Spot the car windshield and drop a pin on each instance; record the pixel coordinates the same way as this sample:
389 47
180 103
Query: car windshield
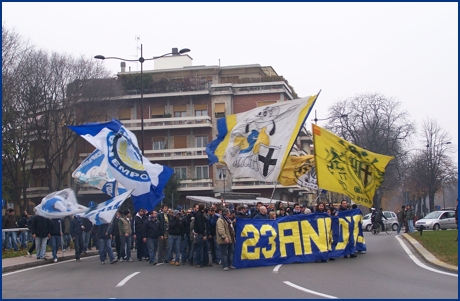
367 216
433 215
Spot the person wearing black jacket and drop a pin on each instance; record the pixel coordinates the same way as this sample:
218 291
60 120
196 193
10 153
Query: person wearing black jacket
87 226
185 240
56 234
151 231
41 232
137 234
24 233
104 233
200 236
176 232
76 231
116 233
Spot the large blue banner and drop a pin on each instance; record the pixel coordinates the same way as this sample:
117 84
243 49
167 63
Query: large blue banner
297 238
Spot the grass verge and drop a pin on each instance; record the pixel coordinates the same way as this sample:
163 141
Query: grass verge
441 244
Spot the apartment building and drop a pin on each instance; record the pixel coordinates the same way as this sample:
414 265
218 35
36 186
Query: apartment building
181 104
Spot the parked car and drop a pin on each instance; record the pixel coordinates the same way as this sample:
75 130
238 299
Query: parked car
390 215
444 219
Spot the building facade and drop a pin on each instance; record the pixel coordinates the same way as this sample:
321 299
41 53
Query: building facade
181 104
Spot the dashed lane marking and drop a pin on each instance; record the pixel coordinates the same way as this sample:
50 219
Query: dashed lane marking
308 291
275 270
122 282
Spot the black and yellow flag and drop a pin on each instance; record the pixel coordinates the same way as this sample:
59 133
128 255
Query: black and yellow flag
299 171
346 168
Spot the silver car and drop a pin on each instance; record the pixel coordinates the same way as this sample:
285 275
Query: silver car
444 219
390 215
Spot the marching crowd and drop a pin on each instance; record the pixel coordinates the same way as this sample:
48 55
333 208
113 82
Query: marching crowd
167 236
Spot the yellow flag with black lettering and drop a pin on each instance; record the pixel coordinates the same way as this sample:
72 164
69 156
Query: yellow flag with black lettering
346 168
299 170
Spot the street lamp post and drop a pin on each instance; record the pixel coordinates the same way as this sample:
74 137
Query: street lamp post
340 116
141 60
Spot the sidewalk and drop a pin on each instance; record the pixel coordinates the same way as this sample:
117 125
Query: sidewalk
427 255
21 262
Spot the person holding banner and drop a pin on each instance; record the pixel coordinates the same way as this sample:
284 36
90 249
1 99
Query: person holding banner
225 238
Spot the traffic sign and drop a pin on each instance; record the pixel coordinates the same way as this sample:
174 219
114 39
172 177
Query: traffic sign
91 204
3 202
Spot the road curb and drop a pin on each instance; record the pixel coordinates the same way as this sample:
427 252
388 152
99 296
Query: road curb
427 255
25 265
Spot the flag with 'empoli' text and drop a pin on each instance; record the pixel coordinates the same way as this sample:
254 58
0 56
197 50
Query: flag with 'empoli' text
346 168
126 162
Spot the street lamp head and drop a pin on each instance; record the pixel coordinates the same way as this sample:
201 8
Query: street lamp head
100 57
184 50
344 116
448 142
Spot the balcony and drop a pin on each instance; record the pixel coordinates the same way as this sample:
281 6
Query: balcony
196 185
176 154
169 123
37 192
251 183
38 164
88 189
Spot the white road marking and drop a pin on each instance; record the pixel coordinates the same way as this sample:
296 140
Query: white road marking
122 282
275 270
418 262
46 265
308 291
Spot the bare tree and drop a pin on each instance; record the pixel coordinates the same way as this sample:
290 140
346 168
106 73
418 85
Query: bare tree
378 124
439 167
16 146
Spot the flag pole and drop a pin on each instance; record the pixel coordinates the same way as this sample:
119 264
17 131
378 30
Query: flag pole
273 192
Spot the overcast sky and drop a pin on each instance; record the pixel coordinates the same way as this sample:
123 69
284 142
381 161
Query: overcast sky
408 51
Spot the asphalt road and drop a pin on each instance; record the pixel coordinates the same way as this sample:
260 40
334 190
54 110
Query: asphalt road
386 271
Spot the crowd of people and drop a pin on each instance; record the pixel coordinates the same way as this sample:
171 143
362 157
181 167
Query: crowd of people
167 236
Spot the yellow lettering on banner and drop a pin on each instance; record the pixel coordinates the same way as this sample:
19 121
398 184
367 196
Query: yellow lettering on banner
345 231
271 241
294 238
309 235
356 219
250 242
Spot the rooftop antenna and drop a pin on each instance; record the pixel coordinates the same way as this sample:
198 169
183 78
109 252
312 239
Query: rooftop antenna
137 38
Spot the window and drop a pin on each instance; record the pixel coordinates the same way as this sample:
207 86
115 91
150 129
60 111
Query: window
201 109
181 172
159 143
180 141
124 114
180 111
219 110
201 141
158 112
202 172
265 103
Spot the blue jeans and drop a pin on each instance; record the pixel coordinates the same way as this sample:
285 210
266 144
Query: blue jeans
410 222
86 236
40 244
217 248
55 243
174 245
105 247
152 245
67 239
14 239
191 251
399 227
24 235
184 248
125 246
199 243
226 255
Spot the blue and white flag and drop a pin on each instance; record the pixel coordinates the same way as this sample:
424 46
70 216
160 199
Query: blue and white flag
59 204
95 171
104 213
126 163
